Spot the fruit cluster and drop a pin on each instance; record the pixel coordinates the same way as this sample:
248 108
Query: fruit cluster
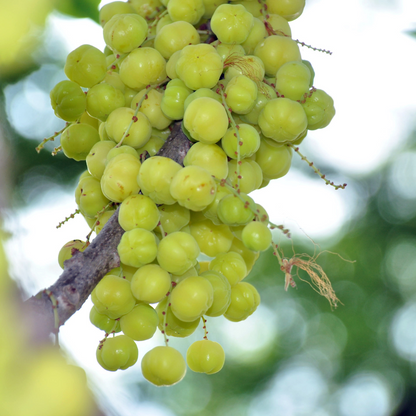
232 77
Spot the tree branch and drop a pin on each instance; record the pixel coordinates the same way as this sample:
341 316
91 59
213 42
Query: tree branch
176 146
85 269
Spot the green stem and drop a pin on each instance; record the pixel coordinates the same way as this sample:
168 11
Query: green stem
68 218
271 31
98 216
113 64
56 150
237 134
224 182
162 231
316 170
165 318
263 9
157 18
51 138
113 331
205 328
276 253
138 105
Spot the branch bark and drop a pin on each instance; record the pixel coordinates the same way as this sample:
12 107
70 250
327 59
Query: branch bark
85 269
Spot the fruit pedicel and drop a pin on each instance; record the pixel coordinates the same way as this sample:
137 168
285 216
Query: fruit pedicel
233 77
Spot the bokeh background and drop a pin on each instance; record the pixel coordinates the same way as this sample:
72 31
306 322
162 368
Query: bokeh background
295 356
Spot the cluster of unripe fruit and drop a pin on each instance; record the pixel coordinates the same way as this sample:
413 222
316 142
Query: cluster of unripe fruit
233 77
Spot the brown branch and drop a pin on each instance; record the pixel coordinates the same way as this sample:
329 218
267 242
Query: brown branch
85 269
176 146
81 274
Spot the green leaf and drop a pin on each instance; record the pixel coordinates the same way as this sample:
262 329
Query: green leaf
79 8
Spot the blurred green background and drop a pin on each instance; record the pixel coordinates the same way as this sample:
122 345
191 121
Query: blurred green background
298 357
